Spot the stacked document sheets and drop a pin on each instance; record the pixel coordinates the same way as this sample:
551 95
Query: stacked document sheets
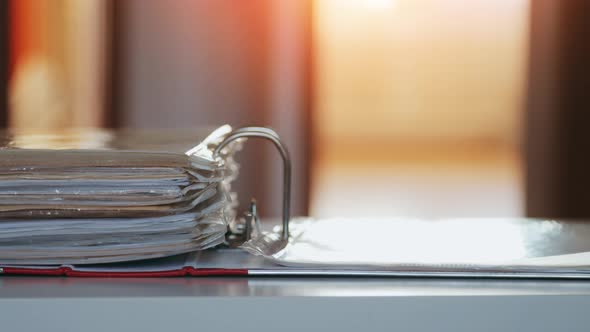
79 206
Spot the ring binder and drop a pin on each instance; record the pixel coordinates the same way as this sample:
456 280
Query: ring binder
419 248
271 135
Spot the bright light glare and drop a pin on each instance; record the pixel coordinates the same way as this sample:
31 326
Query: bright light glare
380 4
413 241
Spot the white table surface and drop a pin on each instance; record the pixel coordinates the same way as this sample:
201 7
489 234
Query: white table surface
294 304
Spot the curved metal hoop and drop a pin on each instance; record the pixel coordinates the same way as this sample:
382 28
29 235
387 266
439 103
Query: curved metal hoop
271 135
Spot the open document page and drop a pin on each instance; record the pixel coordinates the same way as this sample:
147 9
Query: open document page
460 245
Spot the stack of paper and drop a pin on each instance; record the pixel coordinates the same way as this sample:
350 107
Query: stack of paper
93 206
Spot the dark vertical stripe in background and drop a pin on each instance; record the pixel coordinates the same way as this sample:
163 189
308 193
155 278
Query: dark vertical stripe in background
4 23
558 117
112 79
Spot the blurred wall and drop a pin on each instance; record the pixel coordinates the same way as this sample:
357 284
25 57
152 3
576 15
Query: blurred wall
186 63
290 96
192 63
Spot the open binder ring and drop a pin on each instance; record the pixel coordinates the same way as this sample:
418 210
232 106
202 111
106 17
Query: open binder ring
271 135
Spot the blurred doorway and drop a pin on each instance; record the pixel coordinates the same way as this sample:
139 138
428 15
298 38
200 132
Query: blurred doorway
418 107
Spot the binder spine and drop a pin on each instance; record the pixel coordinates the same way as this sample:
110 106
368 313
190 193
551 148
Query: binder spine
186 271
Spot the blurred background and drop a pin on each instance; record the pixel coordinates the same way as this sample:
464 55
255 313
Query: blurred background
455 108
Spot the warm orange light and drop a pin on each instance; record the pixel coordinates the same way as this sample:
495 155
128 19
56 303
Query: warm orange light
417 107
28 19
57 63
397 69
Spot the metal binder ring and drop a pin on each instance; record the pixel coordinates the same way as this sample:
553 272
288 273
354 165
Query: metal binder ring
271 135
